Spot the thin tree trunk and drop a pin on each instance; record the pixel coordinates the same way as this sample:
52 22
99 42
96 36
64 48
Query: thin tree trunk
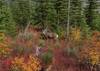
68 21
27 27
28 24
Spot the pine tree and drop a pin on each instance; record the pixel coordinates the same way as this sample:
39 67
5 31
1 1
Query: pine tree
33 5
77 16
61 7
7 24
21 12
45 15
40 13
76 13
92 14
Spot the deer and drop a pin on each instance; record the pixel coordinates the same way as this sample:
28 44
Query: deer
47 34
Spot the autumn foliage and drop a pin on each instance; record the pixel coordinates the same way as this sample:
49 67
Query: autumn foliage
53 55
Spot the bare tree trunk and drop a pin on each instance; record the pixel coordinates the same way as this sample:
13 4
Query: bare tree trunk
68 21
27 27
28 24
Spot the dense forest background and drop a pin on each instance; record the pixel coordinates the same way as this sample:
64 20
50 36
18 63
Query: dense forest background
58 15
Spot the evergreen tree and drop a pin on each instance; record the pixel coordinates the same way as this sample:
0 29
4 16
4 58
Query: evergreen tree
45 14
33 5
92 14
21 12
61 7
7 24
40 13
76 18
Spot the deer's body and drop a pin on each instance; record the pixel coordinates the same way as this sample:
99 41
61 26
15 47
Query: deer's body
49 34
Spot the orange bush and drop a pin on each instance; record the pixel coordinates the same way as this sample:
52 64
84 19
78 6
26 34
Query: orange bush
91 50
75 34
5 47
26 64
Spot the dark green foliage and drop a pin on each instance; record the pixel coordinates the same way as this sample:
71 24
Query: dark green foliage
92 14
21 12
76 16
47 57
97 22
41 13
51 14
33 5
45 14
61 11
7 24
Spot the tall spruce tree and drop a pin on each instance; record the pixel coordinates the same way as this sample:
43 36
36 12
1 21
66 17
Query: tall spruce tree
40 13
92 14
7 24
61 7
77 16
21 12
33 5
76 13
45 14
